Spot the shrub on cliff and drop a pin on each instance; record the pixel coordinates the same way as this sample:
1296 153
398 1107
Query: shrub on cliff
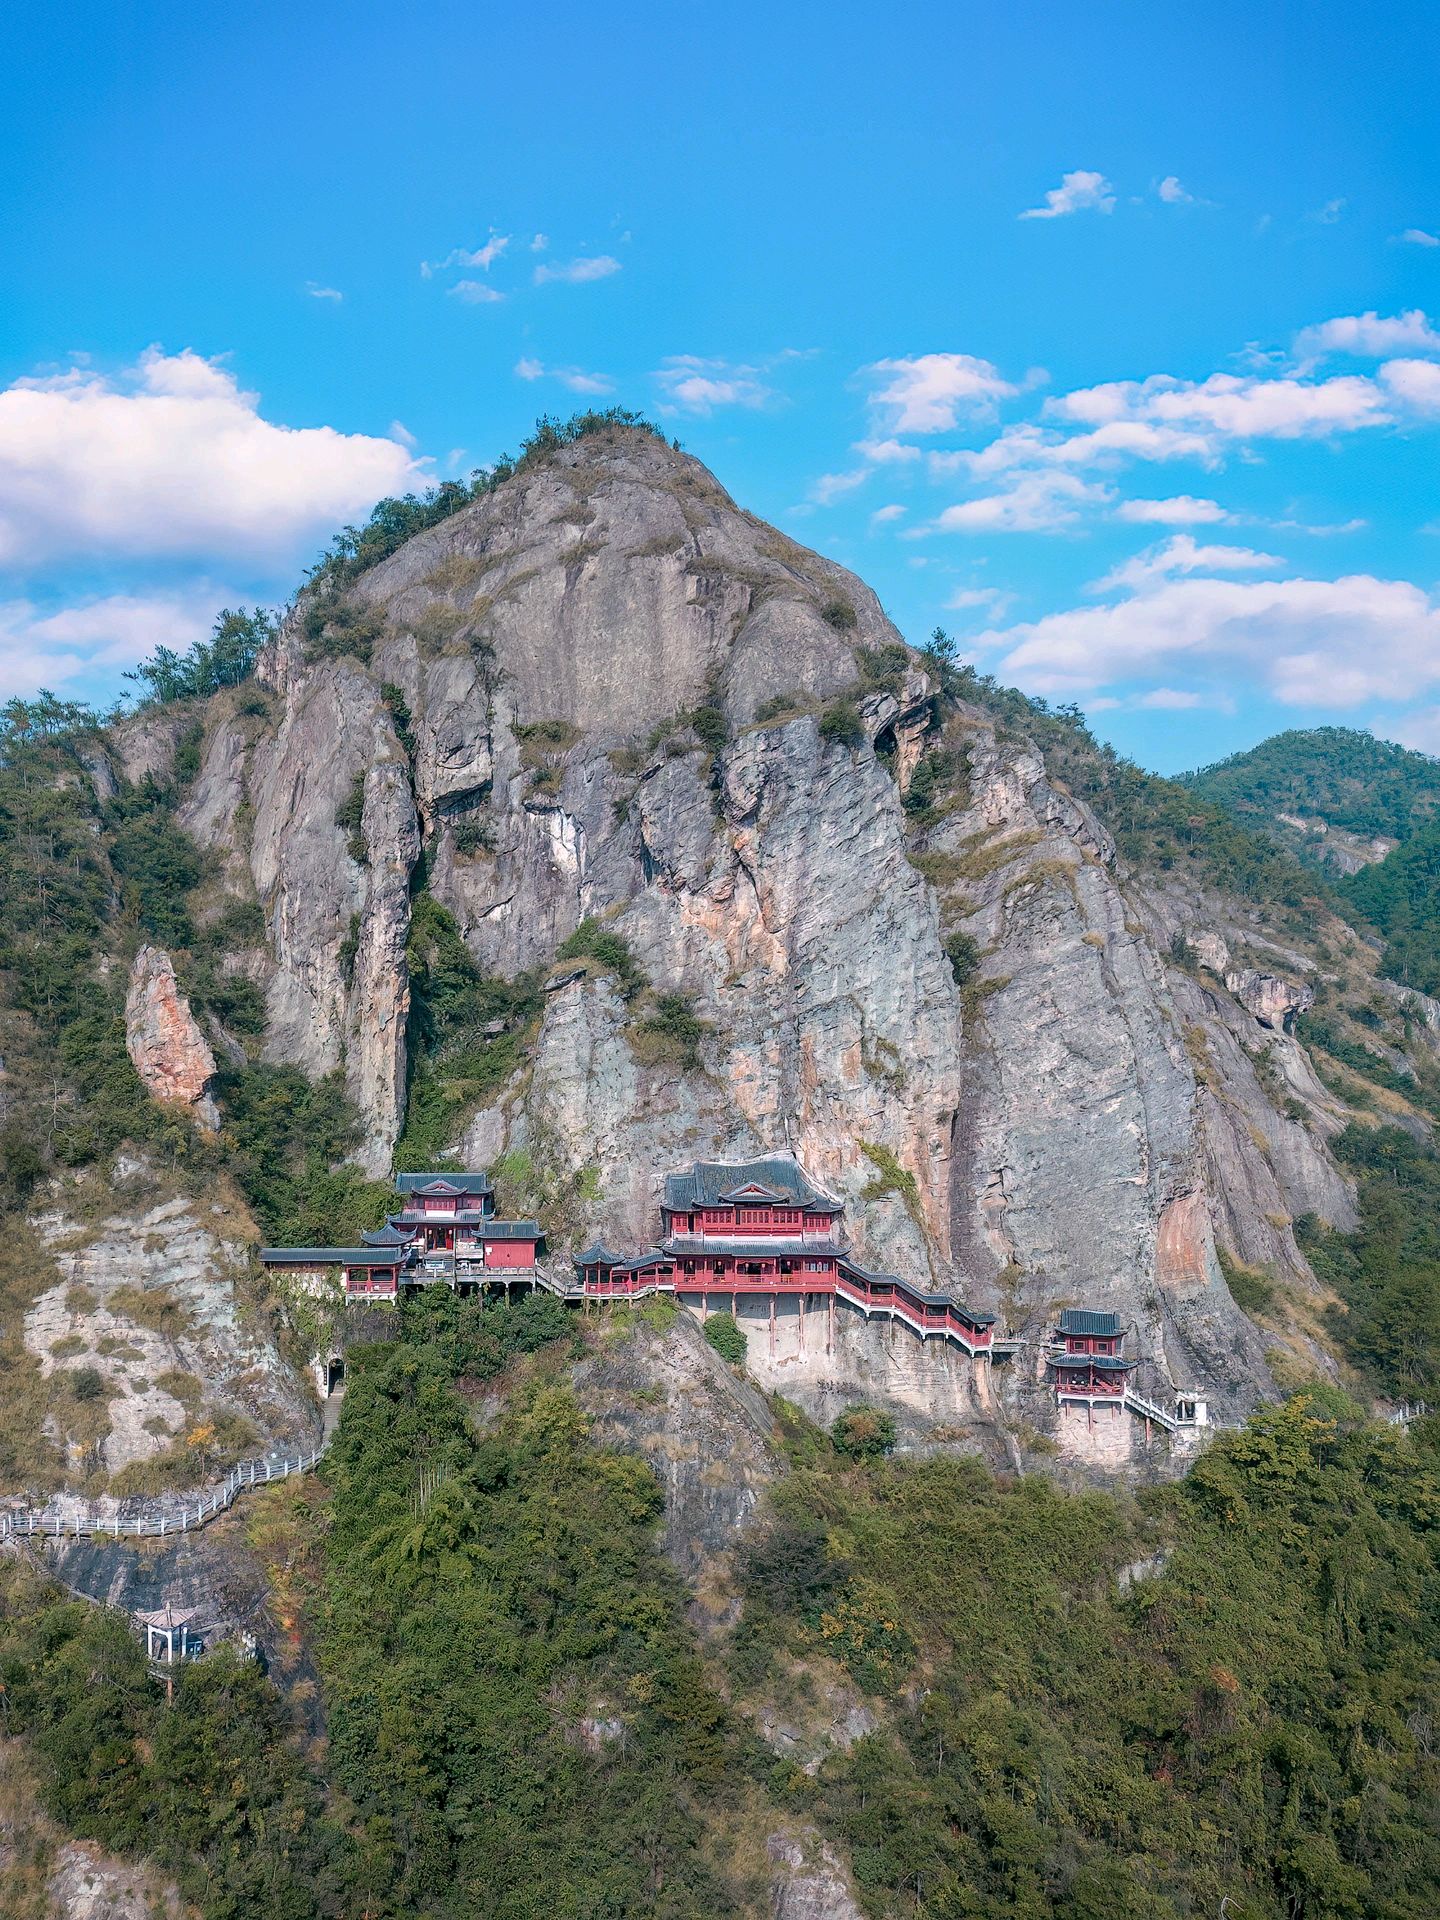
841 725
864 1433
727 1337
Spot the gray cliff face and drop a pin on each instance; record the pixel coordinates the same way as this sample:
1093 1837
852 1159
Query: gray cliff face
336 902
1083 1124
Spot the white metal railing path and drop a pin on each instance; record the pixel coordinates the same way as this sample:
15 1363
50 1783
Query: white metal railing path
1409 1410
27 1522
1148 1410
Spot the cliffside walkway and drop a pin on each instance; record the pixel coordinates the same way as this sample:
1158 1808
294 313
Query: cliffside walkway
159 1518
1147 1410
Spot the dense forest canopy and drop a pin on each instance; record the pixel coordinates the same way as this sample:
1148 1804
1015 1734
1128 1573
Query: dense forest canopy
522 1721
1371 788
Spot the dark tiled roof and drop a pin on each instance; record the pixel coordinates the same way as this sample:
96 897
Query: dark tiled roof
1101 1362
442 1183
711 1182
597 1254
924 1296
387 1236
1082 1320
643 1261
762 1245
511 1230
328 1257
462 1216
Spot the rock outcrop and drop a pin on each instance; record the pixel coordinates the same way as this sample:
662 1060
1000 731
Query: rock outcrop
170 1053
148 1297
669 1397
1273 1001
808 1880
44 1873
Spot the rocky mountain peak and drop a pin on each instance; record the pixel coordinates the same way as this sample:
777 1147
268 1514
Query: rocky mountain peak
865 922
608 588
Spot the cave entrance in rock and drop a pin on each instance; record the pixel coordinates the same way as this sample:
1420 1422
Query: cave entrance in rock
334 1375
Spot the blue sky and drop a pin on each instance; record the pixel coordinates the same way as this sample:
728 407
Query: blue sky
1097 336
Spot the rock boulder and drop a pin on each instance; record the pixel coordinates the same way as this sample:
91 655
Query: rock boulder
170 1053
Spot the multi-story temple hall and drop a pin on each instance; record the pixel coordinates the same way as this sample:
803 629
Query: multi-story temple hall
733 1230
444 1233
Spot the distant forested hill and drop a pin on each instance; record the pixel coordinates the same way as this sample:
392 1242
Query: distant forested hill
1400 896
1341 789
1340 775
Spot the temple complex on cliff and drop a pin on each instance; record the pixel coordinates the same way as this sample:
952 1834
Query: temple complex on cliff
744 1236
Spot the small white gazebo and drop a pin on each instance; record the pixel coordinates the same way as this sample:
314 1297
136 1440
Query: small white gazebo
170 1635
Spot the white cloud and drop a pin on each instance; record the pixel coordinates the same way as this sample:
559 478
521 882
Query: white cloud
487 255
540 244
1076 193
575 378
482 257
1324 643
1420 730
1106 445
1099 430
100 636
929 393
476 293
831 486
883 516
1415 382
317 292
1369 336
1182 554
1320 529
1033 503
1418 237
1327 215
171 457
597 266
964 598
399 431
1231 406
1181 510
691 384
1165 698
1172 193
887 452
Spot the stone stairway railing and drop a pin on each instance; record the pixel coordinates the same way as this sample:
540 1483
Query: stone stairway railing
157 1519
1148 1410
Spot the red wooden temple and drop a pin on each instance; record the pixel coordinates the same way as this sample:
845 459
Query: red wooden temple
444 1233
1091 1370
733 1230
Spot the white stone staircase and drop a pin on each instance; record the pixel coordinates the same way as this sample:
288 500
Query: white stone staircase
1147 1410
